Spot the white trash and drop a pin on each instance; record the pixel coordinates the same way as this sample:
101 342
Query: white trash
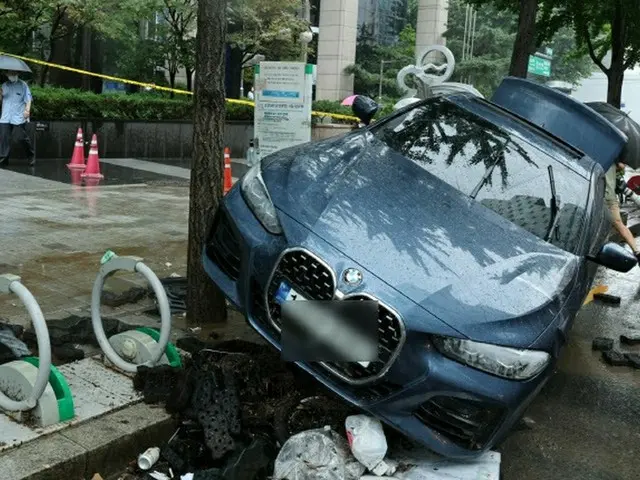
319 454
367 441
149 458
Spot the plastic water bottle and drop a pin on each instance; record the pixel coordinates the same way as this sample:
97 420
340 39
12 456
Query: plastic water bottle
251 155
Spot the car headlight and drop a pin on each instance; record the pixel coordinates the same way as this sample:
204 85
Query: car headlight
511 363
255 193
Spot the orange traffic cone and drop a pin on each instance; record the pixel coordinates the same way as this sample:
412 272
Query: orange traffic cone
77 159
93 161
228 179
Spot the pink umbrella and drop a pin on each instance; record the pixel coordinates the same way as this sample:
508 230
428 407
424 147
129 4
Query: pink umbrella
349 100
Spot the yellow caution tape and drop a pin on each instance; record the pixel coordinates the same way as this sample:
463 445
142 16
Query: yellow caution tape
337 116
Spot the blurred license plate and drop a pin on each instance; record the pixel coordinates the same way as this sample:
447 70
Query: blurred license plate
286 293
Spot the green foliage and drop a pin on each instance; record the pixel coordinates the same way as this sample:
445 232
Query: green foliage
496 26
270 28
68 104
369 58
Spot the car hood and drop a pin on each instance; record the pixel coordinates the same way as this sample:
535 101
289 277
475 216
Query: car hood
457 259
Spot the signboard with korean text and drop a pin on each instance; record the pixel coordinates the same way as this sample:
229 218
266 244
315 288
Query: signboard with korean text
539 66
282 116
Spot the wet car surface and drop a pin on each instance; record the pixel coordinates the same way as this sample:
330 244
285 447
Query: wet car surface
449 214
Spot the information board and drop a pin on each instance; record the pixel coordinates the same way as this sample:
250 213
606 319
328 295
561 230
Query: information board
282 117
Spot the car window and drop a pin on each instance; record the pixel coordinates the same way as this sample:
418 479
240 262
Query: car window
498 169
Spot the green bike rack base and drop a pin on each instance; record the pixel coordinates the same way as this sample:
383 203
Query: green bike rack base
172 353
60 388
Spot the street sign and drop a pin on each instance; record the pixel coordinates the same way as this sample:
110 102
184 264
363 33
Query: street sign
539 66
283 105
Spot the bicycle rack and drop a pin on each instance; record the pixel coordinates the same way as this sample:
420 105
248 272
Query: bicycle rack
32 384
143 346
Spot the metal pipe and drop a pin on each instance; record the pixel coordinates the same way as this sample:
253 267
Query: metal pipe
12 284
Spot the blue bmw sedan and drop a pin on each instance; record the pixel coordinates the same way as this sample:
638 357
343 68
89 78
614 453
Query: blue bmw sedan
476 232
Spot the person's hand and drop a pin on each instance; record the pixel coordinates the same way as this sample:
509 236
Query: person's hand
27 114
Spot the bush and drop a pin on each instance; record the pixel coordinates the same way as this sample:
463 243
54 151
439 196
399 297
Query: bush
68 104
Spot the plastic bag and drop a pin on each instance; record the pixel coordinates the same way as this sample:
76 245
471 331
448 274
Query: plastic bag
316 455
366 439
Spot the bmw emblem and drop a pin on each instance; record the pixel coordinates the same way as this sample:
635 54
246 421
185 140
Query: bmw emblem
352 277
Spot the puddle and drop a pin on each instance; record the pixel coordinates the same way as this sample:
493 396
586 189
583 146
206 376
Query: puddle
57 171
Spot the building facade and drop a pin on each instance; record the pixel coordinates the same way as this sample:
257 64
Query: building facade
383 19
338 25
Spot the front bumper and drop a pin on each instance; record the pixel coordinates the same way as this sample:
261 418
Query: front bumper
455 410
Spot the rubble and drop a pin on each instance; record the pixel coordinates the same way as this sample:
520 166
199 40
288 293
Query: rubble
615 358
67 353
115 300
229 403
11 346
602 344
630 339
634 359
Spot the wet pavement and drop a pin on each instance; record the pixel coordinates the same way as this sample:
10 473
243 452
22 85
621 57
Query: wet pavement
586 420
126 171
57 171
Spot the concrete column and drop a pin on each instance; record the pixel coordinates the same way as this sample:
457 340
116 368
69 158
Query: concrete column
336 48
432 23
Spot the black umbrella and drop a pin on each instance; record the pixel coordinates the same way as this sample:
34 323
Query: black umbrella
8 63
624 123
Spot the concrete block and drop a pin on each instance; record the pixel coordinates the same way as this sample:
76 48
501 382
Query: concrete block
113 441
52 457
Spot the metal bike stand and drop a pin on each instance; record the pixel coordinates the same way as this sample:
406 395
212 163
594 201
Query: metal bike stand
129 350
26 381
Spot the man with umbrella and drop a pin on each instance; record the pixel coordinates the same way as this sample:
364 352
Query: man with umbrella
16 109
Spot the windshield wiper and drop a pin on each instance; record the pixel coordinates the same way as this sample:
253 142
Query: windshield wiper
555 207
486 176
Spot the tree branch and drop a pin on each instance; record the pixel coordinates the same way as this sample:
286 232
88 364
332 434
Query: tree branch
592 52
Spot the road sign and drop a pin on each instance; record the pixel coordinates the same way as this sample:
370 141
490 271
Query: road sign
539 66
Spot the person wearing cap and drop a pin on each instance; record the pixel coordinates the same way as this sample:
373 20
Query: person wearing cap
611 199
16 111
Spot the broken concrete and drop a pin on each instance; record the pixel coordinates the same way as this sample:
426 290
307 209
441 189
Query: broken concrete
634 359
630 339
615 358
115 300
602 344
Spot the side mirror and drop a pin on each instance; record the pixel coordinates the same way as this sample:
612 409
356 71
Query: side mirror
364 108
615 257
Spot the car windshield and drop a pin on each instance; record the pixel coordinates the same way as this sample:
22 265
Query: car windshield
494 166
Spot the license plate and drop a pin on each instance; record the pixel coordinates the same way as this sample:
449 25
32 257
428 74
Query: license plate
286 293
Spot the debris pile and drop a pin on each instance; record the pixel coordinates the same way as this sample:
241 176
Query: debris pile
234 403
11 346
615 357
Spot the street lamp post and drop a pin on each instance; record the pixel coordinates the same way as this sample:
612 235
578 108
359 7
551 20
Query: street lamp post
306 37
382 63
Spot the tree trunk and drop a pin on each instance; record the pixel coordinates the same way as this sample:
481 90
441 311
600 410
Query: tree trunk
172 81
205 302
189 73
615 74
525 38
86 56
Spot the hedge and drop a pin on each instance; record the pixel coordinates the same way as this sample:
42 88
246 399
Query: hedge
68 104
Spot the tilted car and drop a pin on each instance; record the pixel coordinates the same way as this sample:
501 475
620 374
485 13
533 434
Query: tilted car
477 231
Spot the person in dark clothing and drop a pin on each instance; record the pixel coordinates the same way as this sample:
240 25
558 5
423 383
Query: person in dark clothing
16 111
